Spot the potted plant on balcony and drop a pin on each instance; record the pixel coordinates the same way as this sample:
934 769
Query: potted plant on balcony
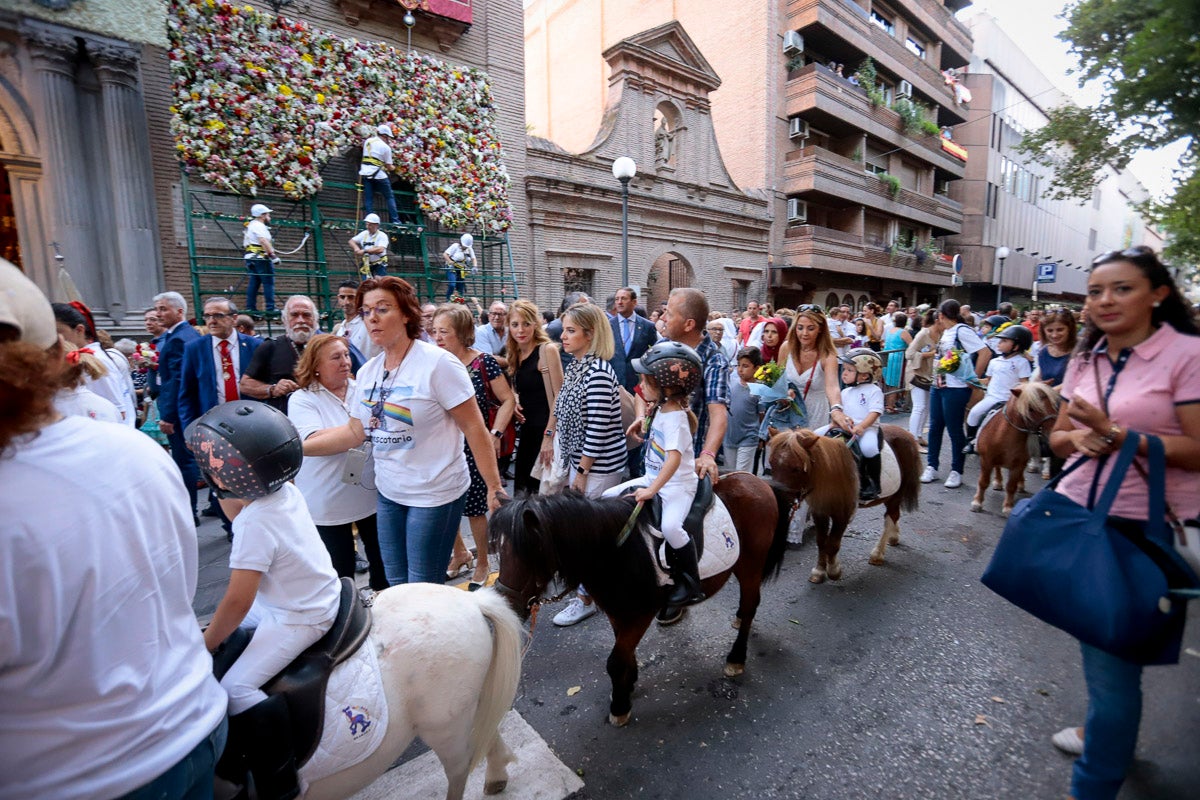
892 183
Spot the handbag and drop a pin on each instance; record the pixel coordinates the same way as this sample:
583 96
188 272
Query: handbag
1099 578
508 437
554 477
921 381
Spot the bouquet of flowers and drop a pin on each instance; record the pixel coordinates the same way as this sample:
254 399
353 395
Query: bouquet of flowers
950 363
783 410
145 357
769 373
458 298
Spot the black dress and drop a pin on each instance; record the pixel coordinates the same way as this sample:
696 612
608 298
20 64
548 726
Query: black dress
476 505
531 388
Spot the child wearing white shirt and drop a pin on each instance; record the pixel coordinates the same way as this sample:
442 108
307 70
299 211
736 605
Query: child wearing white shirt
1007 370
862 401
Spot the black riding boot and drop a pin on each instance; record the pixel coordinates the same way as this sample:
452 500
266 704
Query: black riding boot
264 731
868 471
972 432
685 573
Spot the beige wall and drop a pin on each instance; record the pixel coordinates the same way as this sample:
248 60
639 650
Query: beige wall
565 103
143 21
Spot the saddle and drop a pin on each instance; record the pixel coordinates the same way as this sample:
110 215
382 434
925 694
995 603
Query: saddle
993 411
846 436
302 683
693 523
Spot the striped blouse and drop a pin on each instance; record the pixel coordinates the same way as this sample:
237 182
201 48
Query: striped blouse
599 415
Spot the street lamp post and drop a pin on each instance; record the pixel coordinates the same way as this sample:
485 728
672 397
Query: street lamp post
623 169
1001 253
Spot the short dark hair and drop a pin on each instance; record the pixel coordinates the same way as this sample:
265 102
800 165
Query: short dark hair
632 292
751 354
347 285
404 294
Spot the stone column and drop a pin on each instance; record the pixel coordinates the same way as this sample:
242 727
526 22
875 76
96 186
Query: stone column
127 144
54 51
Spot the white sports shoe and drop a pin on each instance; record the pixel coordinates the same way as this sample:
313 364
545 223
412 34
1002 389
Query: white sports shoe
575 612
1069 741
929 475
953 481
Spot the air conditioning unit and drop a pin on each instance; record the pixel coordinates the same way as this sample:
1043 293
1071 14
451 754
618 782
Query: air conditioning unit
797 128
905 89
797 210
793 43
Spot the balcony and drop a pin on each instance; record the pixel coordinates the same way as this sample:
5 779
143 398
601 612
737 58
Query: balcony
942 23
841 182
848 23
836 106
811 246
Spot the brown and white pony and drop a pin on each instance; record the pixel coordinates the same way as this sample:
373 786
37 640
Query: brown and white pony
822 472
1002 441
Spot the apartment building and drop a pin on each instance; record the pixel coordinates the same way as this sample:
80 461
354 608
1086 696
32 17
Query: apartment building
857 177
1004 195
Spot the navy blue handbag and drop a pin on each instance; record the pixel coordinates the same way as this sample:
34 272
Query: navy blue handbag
1104 580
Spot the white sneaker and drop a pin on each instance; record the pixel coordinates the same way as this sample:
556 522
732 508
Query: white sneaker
954 481
575 612
929 475
1069 741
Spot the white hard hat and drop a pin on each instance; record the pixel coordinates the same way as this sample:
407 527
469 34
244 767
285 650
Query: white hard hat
258 209
372 218
467 240
384 130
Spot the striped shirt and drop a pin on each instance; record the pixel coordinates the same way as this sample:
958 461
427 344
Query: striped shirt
588 411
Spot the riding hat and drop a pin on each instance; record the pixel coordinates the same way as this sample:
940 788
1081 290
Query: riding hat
253 448
385 130
258 209
371 218
995 321
1021 335
673 365
864 360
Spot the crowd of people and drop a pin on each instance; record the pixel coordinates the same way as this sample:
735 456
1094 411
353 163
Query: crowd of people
409 417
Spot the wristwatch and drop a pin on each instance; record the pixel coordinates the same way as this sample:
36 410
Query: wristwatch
497 433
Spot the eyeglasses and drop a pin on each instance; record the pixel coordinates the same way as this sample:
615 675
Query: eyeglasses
1140 251
383 311
216 316
497 313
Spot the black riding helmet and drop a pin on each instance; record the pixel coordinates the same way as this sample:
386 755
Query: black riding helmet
672 365
1019 334
253 448
996 320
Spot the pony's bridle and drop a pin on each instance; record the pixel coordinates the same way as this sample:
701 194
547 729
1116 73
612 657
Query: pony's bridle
533 590
1037 429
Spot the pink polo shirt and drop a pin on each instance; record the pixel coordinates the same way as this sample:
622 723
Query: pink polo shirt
1160 374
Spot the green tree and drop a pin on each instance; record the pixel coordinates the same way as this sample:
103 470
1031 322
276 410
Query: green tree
1146 54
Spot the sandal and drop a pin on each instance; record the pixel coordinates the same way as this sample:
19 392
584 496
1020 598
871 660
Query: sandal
462 569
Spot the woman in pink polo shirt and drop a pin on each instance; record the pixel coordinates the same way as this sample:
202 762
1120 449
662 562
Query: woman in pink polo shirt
1137 367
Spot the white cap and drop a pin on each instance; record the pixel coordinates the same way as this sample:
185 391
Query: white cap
23 306
467 240
258 209
372 218
385 130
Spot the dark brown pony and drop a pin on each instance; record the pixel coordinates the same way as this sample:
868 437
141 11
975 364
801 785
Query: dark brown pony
1001 442
822 471
574 538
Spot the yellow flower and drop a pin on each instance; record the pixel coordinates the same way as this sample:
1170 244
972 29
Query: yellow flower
320 97
306 57
286 90
289 187
215 125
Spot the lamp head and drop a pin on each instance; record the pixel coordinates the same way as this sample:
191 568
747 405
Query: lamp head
409 19
623 169
1001 253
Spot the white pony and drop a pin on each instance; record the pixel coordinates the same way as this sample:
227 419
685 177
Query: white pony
448 677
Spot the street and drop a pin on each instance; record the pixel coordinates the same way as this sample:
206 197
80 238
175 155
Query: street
909 680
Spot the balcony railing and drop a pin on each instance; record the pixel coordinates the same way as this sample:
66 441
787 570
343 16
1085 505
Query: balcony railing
831 249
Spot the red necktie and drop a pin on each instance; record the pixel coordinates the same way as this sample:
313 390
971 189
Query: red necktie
231 386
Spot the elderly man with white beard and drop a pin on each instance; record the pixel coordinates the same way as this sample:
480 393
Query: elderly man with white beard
270 376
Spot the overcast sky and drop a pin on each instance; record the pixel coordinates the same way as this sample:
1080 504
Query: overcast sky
1034 25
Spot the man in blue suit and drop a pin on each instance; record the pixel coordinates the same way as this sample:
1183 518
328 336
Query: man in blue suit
212 367
633 335
172 313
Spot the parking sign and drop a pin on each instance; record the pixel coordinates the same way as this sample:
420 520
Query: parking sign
1047 272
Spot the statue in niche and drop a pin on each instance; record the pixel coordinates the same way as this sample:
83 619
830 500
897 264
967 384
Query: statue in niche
664 141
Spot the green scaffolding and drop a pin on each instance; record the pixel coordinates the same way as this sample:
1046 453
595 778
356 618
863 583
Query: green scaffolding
318 230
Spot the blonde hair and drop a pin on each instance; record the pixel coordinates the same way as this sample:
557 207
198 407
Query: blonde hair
306 367
825 346
528 312
595 322
92 366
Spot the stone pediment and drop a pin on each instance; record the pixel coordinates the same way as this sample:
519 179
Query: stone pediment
664 49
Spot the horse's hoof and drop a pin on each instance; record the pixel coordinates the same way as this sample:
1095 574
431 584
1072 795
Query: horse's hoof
834 574
817 576
734 670
736 624
619 721
977 507
894 539
495 787
997 486
875 560
1004 512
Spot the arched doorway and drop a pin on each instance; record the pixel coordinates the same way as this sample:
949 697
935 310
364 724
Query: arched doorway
669 271
10 242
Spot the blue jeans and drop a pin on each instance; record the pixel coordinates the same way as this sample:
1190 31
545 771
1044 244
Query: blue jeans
192 777
416 543
384 187
186 462
262 273
454 282
1111 729
947 409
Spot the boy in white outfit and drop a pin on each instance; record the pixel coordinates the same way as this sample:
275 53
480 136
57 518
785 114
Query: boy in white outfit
1010 368
863 402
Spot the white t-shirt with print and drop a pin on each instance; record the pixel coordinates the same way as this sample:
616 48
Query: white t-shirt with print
1004 374
330 500
860 400
670 431
275 535
365 240
418 448
967 340
83 402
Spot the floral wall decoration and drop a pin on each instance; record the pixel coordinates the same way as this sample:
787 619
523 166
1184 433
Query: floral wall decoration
265 101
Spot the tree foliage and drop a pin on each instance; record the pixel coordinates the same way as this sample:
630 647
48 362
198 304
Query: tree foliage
1146 55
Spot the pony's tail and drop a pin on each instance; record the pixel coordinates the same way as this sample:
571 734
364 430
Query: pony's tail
503 675
905 447
784 498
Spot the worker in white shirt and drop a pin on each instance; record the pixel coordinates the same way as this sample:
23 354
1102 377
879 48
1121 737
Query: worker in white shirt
260 258
370 248
460 259
372 174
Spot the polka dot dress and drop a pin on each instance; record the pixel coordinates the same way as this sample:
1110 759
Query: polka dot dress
476 505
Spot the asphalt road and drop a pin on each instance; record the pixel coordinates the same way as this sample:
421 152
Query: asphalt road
909 680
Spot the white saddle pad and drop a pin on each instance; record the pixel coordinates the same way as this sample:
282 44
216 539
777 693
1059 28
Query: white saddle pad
721 546
356 716
889 473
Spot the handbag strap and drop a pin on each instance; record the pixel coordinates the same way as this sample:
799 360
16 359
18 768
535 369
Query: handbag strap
1117 476
544 368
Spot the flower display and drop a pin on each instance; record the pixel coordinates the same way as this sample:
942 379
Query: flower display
261 100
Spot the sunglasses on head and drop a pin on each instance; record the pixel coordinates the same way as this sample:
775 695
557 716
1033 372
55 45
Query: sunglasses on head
1140 251
811 308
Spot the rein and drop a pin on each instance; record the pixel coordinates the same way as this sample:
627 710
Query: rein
1036 430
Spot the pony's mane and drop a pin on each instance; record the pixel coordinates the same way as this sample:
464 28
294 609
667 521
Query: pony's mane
824 466
1037 400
